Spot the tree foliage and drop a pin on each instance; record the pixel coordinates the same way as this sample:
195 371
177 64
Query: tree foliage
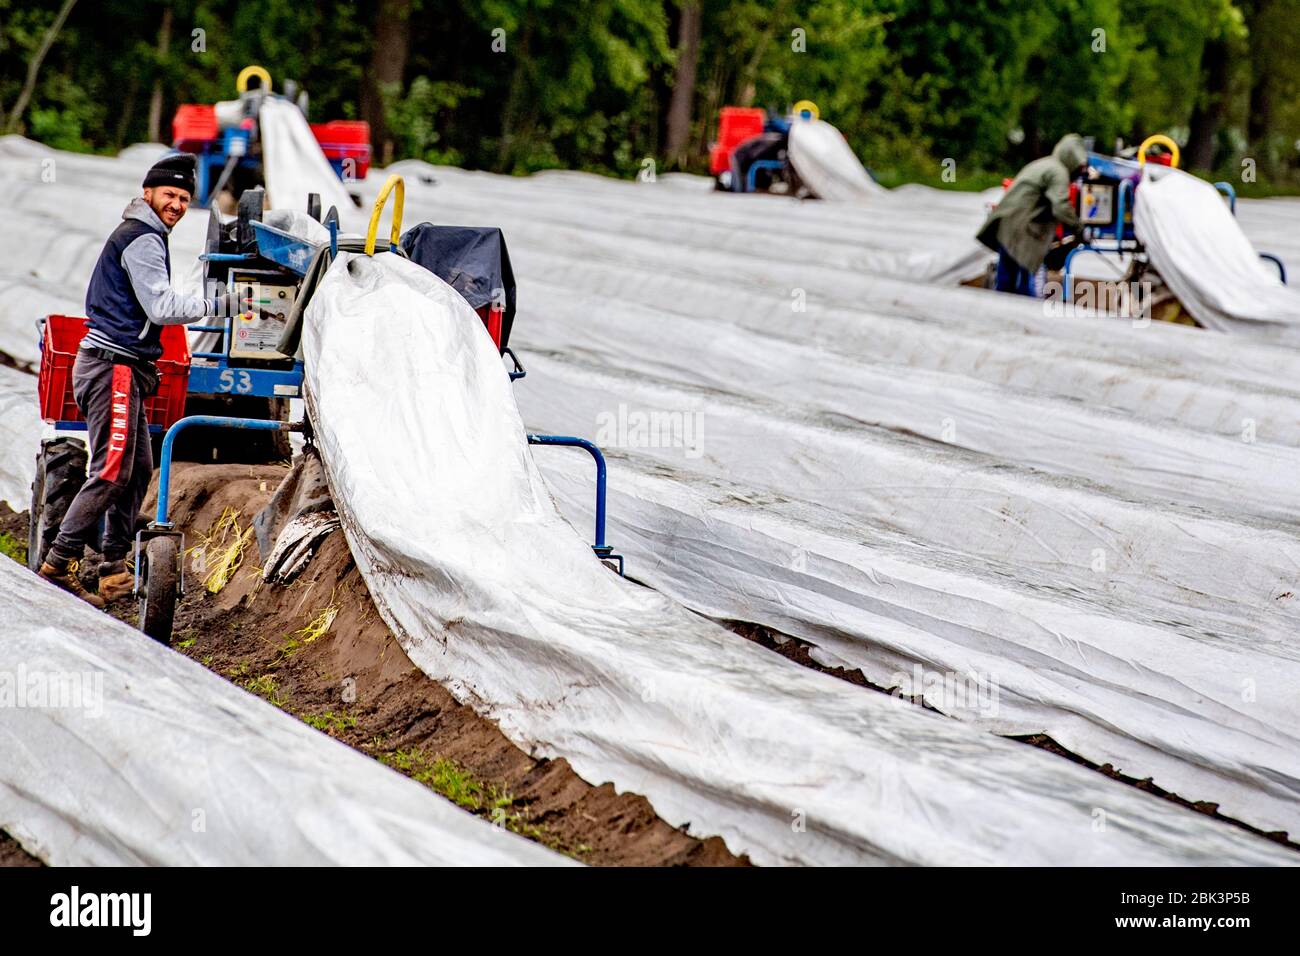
519 85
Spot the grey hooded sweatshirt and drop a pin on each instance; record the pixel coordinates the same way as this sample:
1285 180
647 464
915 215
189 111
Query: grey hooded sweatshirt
131 290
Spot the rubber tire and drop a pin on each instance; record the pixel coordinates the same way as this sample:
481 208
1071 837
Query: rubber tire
60 473
160 587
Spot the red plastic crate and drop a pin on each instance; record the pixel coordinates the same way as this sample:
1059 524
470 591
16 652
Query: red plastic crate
63 335
194 125
353 132
345 139
737 124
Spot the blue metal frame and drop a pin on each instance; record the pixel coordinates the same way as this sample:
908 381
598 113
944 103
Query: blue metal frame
603 551
519 370
160 525
161 522
1067 278
1118 234
223 379
1121 235
751 180
226 256
1277 262
65 426
218 421
1227 190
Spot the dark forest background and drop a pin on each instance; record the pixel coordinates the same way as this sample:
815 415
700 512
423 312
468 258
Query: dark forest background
603 85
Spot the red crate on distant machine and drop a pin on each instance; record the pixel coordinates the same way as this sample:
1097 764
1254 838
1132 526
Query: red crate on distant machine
63 335
193 126
345 139
737 124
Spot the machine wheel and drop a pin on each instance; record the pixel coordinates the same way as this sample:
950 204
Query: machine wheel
160 575
60 473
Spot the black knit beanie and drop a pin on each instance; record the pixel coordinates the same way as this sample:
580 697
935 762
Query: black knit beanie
174 170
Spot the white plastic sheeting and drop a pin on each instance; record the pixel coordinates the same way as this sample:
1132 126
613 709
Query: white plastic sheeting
493 594
922 234
1271 226
1190 613
293 162
1220 471
1170 375
827 164
993 553
116 751
20 436
1206 718
1202 253
601 263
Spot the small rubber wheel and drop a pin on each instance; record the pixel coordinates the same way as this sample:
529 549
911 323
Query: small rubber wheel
161 583
60 473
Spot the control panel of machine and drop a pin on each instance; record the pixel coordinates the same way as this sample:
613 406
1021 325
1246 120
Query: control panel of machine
256 334
1097 204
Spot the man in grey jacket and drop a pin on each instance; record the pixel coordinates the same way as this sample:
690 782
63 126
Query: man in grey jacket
129 300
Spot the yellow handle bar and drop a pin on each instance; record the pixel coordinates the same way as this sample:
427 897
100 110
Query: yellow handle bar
808 105
241 81
1165 141
393 182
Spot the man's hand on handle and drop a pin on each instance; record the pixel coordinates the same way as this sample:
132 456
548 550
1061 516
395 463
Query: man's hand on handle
239 303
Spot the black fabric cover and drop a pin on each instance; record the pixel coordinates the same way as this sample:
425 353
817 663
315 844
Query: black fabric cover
471 259
762 146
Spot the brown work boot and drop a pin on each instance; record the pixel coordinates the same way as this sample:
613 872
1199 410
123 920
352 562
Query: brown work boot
115 581
63 574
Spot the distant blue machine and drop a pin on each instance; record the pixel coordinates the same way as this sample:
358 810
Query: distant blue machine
1105 203
225 139
753 154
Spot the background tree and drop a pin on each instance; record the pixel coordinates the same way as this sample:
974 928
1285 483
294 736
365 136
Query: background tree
521 85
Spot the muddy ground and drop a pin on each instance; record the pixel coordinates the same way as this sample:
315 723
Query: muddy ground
11 854
354 682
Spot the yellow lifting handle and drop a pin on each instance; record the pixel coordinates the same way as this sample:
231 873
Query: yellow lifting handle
393 182
809 107
241 81
1166 142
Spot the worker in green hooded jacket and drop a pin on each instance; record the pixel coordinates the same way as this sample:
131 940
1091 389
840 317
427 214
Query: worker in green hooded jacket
1021 228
